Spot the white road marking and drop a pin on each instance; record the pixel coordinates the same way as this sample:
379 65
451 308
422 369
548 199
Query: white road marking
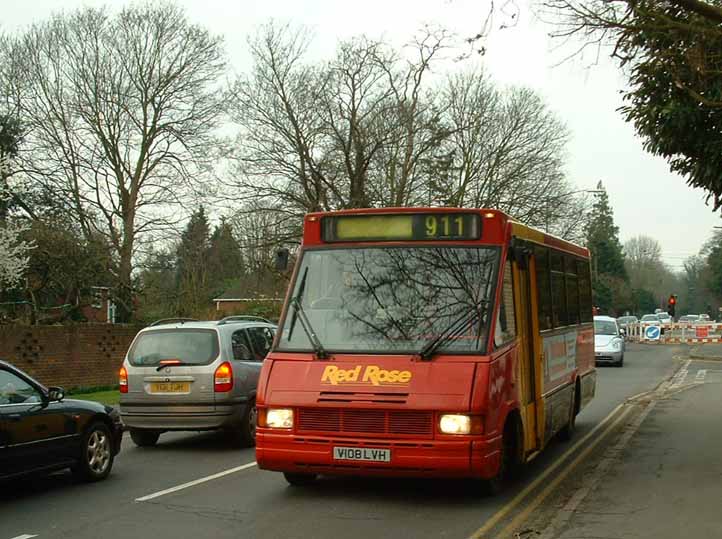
195 482
700 375
681 375
24 536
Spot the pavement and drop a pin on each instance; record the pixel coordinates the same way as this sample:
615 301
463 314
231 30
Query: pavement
707 351
667 482
197 485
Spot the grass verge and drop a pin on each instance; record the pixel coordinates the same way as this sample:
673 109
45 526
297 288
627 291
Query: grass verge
110 396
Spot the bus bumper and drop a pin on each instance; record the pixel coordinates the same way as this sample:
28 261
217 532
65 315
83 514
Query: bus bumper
477 458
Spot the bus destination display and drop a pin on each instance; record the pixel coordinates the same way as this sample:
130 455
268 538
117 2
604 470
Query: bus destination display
402 227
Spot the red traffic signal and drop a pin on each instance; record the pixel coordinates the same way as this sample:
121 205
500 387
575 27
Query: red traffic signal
672 300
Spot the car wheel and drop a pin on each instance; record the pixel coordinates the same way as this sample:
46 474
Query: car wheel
96 454
144 438
300 479
245 433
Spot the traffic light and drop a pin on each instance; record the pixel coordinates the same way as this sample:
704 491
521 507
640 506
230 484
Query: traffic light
671 304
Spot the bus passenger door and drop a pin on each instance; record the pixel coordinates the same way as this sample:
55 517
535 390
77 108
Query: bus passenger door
525 307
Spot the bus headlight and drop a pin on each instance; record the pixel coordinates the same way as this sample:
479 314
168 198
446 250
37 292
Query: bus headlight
455 424
279 418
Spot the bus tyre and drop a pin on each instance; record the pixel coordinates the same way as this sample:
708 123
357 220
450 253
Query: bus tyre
299 479
567 432
510 464
144 438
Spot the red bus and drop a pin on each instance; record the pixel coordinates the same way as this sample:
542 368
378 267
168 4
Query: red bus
425 342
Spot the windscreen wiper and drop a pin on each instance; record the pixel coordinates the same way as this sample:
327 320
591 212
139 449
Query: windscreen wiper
301 290
300 314
169 363
457 327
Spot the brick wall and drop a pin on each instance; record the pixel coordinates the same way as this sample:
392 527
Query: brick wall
68 356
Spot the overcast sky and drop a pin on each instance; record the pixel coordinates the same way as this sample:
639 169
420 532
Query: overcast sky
585 94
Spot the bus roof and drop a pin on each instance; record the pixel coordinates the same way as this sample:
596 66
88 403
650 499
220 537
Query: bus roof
505 224
543 238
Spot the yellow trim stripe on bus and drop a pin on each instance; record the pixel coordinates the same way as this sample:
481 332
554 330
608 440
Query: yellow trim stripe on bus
517 229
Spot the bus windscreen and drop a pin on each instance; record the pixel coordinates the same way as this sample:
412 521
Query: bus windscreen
391 299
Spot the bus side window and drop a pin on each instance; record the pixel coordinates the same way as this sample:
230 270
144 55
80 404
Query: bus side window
543 284
559 299
570 266
506 320
585 291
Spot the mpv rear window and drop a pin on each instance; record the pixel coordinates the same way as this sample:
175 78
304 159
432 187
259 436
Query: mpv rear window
189 346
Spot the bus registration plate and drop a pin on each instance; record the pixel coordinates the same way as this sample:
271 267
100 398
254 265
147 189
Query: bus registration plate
362 453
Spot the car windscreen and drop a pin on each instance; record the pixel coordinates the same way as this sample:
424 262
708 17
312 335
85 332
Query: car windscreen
392 299
189 346
650 318
605 327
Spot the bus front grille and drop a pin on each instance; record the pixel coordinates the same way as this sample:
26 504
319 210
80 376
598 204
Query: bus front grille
351 421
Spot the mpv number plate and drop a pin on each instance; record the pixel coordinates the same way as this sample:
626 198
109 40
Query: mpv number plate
362 453
170 387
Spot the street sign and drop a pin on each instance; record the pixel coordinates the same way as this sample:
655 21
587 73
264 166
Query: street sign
702 332
652 333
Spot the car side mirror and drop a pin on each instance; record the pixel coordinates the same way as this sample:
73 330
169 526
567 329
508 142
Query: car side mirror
622 332
282 259
56 394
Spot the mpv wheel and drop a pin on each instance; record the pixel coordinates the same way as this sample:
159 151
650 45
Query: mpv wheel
96 457
144 438
245 433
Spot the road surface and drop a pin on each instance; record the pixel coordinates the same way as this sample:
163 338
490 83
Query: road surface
229 497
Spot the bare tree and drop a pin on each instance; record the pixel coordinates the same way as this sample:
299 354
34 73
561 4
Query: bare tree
279 154
120 111
415 122
642 249
347 133
646 269
260 230
370 128
507 152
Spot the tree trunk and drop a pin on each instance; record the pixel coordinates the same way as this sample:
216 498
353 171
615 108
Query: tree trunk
124 291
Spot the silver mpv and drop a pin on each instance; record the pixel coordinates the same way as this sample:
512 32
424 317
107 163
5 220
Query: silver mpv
186 375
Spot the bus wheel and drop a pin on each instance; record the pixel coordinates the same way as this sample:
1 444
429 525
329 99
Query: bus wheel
567 431
510 461
299 479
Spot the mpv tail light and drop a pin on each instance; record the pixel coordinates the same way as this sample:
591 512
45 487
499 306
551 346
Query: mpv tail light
223 378
123 380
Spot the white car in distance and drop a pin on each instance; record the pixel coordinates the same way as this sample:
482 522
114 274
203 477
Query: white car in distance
651 320
608 341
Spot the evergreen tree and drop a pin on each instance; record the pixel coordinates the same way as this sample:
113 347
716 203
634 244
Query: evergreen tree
603 240
607 256
192 266
714 262
158 296
225 260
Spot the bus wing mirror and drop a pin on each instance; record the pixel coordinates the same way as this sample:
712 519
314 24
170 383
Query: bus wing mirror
520 255
282 259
